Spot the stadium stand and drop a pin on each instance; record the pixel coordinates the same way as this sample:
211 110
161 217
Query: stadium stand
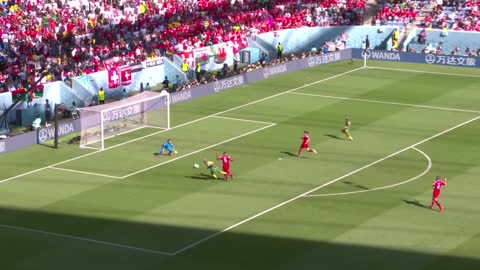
455 15
79 37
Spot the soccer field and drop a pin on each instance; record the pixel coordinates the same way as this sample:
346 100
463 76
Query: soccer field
359 204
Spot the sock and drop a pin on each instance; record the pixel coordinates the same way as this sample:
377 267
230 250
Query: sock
214 176
299 152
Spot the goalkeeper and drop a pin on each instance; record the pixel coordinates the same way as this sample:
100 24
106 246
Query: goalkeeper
213 169
167 147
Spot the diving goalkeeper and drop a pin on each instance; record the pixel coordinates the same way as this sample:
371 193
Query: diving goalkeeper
167 147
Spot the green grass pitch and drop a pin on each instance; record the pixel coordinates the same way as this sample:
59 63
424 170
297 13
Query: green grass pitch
359 204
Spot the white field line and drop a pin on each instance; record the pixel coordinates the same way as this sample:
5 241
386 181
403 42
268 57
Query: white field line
154 127
197 151
88 147
243 120
318 187
427 72
84 172
84 239
429 166
385 102
180 125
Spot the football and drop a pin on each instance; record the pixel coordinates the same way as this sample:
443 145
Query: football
196 166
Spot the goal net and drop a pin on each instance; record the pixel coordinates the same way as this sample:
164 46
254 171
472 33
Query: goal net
146 109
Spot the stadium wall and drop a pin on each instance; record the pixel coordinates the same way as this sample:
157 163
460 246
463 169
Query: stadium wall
430 59
306 38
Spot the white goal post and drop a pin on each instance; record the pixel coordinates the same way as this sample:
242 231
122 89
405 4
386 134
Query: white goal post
146 109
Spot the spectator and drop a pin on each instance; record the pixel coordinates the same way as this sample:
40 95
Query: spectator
124 93
185 67
235 65
48 113
74 110
177 83
263 59
344 39
165 83
279 50
101 96
198 71
30 98
225 70
367 43
213 78
147 87
422 37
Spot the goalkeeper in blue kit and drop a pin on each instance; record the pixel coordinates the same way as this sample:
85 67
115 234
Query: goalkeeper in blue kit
167 147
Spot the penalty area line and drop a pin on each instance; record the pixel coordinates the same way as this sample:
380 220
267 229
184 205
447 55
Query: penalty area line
197 151
429 166
84 239
84 172
319 187
243 120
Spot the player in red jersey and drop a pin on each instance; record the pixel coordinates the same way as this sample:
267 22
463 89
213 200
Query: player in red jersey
226 160
305 144
437 185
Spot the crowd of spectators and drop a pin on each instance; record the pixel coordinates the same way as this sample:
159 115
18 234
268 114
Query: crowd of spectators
455 15
398 13
71 38
264 62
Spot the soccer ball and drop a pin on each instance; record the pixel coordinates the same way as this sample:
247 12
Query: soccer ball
196 166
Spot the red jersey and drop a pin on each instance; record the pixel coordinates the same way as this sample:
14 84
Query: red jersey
306 139
226 159
437 185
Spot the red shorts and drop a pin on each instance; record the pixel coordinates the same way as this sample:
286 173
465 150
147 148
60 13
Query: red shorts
226 169
305 145
435 195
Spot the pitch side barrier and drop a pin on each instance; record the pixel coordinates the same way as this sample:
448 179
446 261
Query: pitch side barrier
431 59
69 127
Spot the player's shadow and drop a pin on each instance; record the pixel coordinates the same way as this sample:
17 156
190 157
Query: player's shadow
201 176
290 154
356 185
335 137
415 203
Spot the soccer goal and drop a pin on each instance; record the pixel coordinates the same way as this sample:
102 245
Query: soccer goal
144 110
